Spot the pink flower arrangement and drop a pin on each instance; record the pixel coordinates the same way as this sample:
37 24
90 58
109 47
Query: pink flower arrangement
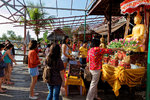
121 39
124 40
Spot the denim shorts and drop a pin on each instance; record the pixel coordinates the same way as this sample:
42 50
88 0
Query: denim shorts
65 60
33 71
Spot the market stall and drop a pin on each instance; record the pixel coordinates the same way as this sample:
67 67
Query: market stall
128 65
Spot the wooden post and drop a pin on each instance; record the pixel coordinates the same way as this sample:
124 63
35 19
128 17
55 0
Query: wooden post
127 26
24 34
146 23
109 22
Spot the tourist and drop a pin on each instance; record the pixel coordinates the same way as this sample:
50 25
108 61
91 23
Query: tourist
8 59
2 66
65 51
33 62
94 58
83 53
39 47
47 49
54 61
74 48
89 45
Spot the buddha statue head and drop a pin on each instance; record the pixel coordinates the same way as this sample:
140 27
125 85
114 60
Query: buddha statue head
102 40
137 18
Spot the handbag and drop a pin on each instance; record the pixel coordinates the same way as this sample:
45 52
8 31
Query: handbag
46 74
87 73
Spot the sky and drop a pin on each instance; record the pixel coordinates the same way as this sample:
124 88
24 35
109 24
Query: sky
77 4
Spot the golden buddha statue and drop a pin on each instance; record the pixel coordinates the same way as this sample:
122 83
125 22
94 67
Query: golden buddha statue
102 40
137 31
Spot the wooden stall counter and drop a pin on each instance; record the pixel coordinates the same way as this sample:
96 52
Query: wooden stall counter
117 76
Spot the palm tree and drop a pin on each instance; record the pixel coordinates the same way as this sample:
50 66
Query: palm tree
36 14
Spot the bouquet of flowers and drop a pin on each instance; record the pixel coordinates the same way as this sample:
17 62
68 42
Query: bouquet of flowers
130 45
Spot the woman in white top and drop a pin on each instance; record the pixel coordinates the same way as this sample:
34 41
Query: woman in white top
65 51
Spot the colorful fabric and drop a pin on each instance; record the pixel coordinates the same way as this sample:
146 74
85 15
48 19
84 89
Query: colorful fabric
96 55
74 47
130 6
74 80
83 52
33 59
117 76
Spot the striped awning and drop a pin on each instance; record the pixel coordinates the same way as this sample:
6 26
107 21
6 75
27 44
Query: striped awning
130 6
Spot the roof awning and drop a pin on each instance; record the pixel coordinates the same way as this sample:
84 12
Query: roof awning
101 7
103 29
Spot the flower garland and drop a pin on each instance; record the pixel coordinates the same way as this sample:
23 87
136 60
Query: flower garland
130 45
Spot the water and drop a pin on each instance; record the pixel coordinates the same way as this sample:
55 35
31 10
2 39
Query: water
18 57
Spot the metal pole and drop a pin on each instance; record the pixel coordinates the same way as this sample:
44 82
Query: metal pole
85 26
24 33
148 71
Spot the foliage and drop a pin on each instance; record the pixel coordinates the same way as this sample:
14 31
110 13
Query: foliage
4 37
11 36
130 45
37 14
45 37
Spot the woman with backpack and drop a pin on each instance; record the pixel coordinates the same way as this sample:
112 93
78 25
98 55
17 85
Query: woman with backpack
56 79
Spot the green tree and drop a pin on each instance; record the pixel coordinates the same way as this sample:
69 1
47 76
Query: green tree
44 38
4 37
12 35
19 38
37 14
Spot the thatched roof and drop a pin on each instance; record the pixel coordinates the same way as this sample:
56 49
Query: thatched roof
57 34
103 28
87 32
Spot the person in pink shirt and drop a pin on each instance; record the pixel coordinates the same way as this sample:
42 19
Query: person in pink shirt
94 58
